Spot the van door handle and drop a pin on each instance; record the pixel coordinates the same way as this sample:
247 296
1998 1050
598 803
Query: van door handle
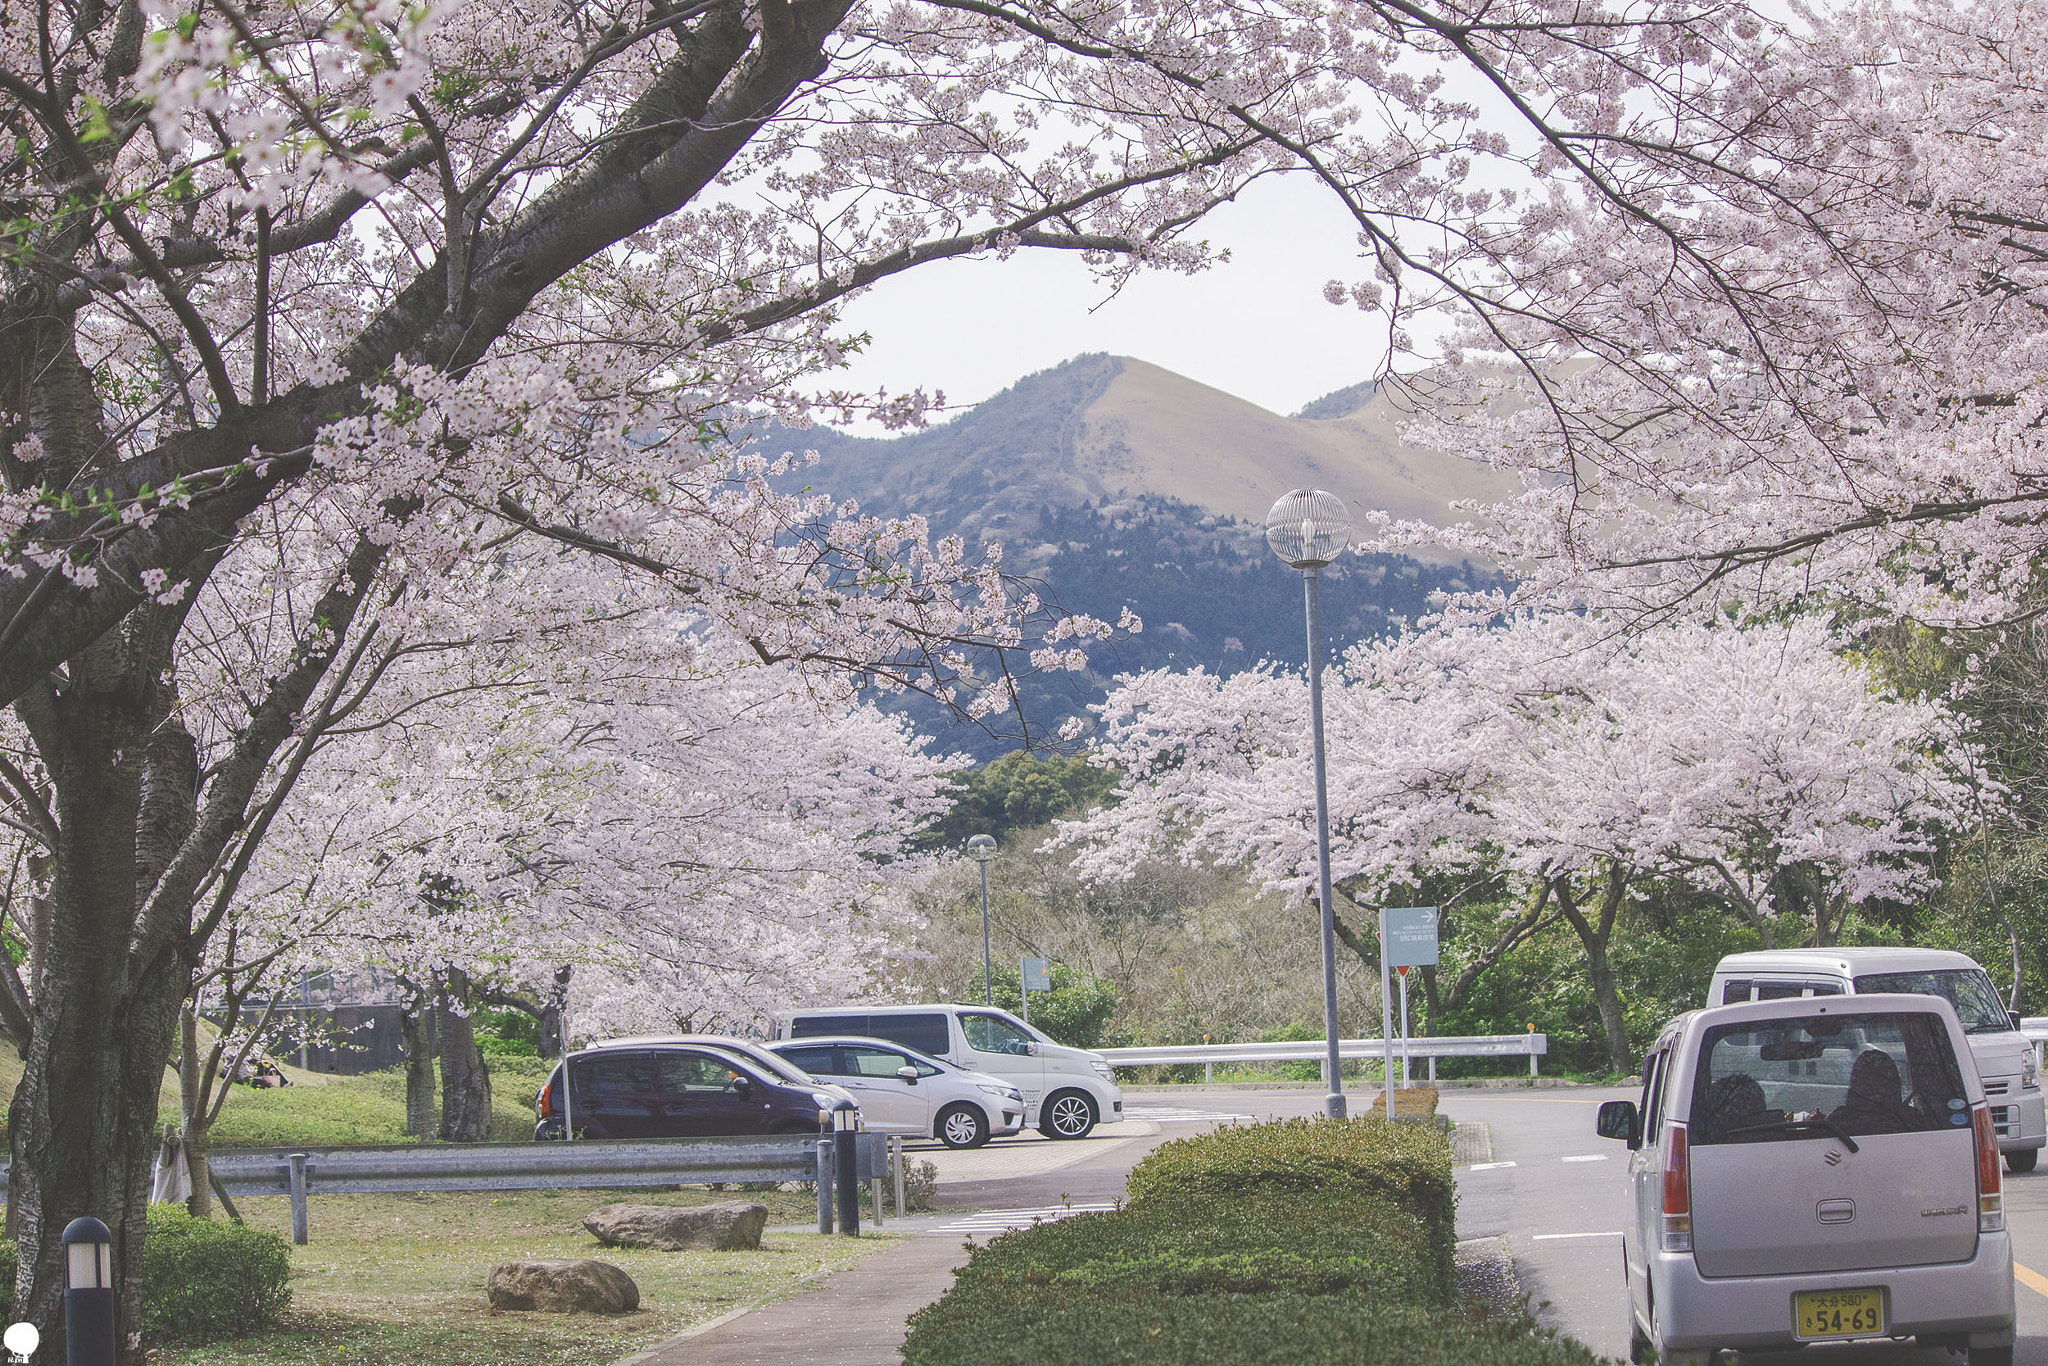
1835 1211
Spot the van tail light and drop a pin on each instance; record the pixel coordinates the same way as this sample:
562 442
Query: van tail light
545 1101
1677 1235
1990 1185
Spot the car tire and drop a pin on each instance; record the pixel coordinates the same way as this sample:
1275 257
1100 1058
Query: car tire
2022 1159
1640 1350
1067 1114
961 1126
1991 1356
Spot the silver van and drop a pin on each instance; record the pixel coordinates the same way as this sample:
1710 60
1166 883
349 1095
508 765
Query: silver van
1067 1091
2004 1058
1813 1169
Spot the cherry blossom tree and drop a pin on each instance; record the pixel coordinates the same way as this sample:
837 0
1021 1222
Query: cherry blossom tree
314 309
1827 387
1546 752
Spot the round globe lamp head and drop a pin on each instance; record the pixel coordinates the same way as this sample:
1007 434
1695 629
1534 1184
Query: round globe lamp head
981 848
1308 528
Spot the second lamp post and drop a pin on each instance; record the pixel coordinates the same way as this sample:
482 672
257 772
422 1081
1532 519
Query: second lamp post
1307 529
981 849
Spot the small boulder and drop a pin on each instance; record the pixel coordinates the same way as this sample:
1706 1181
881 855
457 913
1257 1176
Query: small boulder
562 1285
731 1226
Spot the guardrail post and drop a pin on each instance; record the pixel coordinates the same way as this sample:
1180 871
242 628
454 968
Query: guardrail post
824 1185
896 1168
298 1161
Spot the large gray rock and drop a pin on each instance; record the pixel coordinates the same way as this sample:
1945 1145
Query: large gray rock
732 1226
562 1285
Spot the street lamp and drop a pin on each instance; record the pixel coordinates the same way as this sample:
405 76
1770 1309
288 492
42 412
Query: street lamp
1307 529
88 1293
981 849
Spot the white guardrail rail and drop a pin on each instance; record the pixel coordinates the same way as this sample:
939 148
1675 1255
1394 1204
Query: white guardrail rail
2035 1027
1532 1046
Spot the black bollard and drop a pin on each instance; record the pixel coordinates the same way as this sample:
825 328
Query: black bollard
88 1293
845 1161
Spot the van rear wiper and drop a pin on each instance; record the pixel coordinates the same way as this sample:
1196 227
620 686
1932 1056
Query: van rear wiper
1784 1125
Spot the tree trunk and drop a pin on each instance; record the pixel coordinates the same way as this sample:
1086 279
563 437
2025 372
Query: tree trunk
465 1081
192 1090
416 1027
1599 972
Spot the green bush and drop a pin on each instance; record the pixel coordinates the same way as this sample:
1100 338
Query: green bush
1005 1326
1302 1241
202 1280
1404 1166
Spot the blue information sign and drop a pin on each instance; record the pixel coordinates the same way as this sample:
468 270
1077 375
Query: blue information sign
1409 932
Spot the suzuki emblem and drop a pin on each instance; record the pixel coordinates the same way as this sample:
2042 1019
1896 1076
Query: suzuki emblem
1834 1157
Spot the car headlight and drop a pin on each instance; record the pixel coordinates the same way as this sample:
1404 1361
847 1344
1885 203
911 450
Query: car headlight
1006 1092
825 1100
1103 1069
2030 1071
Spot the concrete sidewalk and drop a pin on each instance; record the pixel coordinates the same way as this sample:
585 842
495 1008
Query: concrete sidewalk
856 1317
853 1317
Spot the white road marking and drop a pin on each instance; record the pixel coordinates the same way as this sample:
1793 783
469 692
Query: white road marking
1175 1114
1587 1157
1488 1166
1003 1220
1559 1237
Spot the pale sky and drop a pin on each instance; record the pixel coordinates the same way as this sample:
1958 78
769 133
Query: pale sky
1256 326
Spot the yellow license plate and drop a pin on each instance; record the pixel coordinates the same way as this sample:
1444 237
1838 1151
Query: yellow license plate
1838 1313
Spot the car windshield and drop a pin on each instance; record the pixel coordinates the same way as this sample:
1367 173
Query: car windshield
1967 989
1820 1076
773 1062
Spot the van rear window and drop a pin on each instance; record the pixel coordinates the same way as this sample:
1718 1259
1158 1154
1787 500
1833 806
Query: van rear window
1822 1076
1967 989
821 1026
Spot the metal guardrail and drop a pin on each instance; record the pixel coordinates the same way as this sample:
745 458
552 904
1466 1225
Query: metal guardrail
304 1172
1533 1046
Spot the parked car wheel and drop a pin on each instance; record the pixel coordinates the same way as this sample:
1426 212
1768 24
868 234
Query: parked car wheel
1067 1114
961 1126
1991 1356
2022 1159
1640 1350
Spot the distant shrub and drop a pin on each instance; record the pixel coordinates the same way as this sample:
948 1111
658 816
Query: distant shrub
202 1280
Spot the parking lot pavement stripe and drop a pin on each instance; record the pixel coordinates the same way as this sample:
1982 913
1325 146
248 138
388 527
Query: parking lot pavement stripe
1488 1166
1001 1220
1560 1237
2030 1278
1587 1157
1176 1114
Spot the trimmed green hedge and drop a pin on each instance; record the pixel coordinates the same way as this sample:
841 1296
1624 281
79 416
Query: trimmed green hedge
1302 1241
1219 1330
200 1280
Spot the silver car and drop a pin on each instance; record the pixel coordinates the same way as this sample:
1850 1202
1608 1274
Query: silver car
903 1091
1821 1169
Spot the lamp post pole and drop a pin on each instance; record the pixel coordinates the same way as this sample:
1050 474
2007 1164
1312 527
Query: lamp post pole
981 849
1307 529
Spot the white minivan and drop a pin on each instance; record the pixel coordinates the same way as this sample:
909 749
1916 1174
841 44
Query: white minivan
2004 1058
1067 1091
1813 1169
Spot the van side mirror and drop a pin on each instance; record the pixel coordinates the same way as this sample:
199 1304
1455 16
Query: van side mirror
908 1073
1031 1048
742 1083
1618 1119
2014 1017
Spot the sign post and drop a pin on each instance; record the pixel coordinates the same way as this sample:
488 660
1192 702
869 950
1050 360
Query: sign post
1407 940
1035 974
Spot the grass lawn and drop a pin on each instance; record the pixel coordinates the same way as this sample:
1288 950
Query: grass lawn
397 1280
